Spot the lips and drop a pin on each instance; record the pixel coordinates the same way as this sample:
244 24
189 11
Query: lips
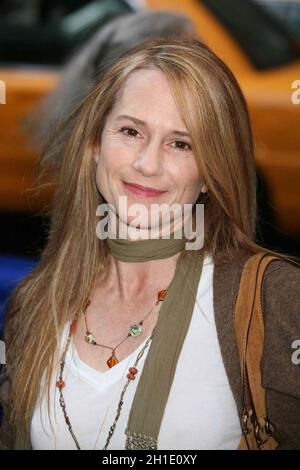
142 190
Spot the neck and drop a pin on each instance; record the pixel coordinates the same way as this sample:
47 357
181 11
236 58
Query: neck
132 280
136 267
123 230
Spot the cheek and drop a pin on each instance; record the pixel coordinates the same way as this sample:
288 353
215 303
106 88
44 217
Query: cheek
113 156
187 178
108 163
111 159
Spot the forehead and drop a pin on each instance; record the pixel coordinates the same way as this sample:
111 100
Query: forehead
146 94
145 78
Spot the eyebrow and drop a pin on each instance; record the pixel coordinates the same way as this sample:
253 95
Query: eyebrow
143 124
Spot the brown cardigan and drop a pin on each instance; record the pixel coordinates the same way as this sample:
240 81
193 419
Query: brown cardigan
281 377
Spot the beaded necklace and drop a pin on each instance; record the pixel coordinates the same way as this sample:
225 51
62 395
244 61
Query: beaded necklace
60 384
134 330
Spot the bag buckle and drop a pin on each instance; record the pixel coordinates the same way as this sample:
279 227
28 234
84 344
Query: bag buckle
247 420
263 430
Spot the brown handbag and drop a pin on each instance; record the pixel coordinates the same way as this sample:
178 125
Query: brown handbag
258 432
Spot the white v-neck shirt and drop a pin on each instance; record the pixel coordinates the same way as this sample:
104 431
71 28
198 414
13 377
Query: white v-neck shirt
201 412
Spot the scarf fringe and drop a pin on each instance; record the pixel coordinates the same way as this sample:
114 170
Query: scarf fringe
136 441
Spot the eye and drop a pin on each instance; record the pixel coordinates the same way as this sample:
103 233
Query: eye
130 130
183 145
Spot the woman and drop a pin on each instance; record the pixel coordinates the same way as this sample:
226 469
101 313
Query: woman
127 342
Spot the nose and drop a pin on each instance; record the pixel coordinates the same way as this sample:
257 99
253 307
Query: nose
149 160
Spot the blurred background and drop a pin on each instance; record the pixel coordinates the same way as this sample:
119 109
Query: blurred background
50 55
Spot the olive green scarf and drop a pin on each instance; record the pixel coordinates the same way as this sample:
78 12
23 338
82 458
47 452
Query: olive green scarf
173 322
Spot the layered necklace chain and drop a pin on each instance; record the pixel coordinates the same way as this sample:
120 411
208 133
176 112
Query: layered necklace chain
134 331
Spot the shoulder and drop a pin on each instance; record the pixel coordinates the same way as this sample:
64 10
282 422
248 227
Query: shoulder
282 277
281 297
281 361
281 310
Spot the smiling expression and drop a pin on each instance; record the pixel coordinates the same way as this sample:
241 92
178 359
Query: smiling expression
146 153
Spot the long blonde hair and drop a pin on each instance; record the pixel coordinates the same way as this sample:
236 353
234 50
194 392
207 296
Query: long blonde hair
215 114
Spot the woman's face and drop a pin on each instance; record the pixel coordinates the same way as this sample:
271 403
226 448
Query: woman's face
142 144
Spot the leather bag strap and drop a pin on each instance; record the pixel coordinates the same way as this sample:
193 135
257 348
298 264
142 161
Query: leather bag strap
258 432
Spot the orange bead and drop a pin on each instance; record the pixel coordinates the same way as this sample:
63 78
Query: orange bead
73 326
112 361
162 294
132 370
131 376
60 383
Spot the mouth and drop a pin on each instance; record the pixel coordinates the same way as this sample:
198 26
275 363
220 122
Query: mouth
143 191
